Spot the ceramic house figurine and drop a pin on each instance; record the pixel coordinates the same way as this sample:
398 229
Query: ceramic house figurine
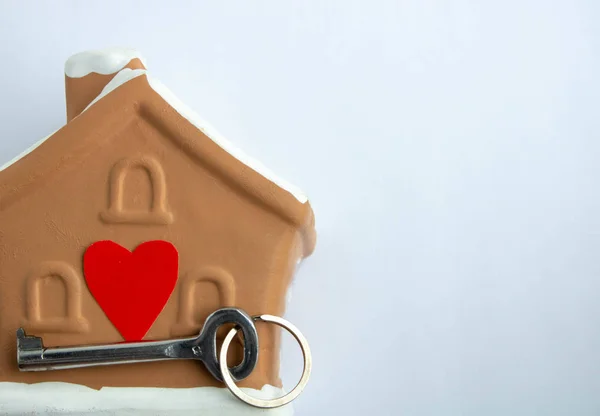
133 166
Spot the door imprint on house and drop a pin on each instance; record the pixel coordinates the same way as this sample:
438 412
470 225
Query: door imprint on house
155 211
53 293
194 306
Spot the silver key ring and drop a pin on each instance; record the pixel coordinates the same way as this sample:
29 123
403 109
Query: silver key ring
278 402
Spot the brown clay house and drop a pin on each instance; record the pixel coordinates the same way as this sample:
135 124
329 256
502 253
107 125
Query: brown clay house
134 165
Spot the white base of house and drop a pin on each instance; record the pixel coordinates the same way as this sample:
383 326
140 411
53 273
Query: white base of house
47 399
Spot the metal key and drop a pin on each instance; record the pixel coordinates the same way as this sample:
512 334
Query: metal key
33 356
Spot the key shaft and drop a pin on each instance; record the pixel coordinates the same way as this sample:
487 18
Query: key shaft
33 356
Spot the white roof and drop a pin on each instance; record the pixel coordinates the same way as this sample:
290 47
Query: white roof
104 61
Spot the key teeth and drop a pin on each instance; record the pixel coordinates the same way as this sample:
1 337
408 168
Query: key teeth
26 342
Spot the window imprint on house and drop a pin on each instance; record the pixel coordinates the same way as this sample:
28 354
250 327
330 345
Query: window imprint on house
156 213
42 301
193 306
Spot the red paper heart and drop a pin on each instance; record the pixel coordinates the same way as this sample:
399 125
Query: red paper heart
132 288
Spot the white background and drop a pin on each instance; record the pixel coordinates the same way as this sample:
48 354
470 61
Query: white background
450 150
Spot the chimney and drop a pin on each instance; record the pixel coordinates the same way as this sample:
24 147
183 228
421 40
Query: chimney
87 73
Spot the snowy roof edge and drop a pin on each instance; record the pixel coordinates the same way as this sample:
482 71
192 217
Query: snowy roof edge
114 60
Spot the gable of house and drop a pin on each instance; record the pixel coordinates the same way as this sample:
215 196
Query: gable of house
132 99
